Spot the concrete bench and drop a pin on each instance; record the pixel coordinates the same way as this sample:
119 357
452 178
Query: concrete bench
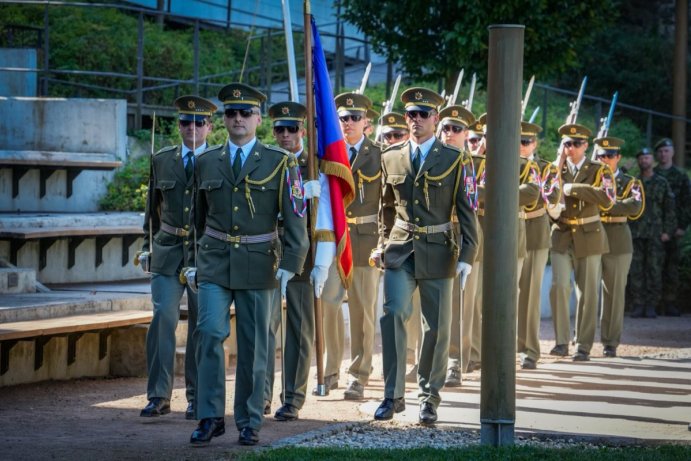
73 327
47 236
49 162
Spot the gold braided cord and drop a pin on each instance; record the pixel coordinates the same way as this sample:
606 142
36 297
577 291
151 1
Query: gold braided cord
260 182
551 169
523 179
480 169
604 170
368 178
640 187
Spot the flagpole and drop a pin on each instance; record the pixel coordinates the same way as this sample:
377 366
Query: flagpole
312 174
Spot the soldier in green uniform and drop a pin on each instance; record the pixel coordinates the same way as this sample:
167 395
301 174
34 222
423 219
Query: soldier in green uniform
424 182
655 226
372 115
242 186
168 221
394 130
679 183
537 250
288 128
361 216
579 240
616 263
455 121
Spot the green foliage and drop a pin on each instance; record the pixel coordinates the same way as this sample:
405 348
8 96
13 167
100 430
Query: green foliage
436 38
127 191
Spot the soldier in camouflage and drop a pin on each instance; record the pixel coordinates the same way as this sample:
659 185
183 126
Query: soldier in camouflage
649 232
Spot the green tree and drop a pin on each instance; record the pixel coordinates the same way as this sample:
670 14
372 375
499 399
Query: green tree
435 38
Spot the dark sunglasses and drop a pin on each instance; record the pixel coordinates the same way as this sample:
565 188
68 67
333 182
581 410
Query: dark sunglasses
454 128
474 140
354 118
390 136
281 129
244 113
197 123
527 142
608 154
568 144
411 114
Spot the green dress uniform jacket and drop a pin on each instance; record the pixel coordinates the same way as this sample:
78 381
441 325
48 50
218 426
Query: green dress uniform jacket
367 176
246 206
538 227
628 205
171 200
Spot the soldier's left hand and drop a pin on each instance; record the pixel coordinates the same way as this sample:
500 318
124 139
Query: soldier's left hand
567 189
283 276
463 270
191 278
312 189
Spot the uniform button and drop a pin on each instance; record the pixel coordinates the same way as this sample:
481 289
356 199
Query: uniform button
575 206
417 237
350 213
350 229
573 230
187 209
235 208
416 202
237 245
187 226
187 242
417 183
187 191
235 189
417 219
235 227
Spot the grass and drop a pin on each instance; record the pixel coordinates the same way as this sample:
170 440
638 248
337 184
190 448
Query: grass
523 453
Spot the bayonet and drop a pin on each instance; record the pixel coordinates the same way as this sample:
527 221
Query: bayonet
471 95
365 77
527 96
454 96
576 105
532 117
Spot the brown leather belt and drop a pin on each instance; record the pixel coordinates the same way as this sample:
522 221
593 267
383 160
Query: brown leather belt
435 229
614 219
259 238
373 218
168 229
480 211
535 214
579 221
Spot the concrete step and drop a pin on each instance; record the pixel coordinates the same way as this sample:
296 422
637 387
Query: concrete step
16 280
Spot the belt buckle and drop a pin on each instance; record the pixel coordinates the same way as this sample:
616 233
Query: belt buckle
233 238
180 232
421 229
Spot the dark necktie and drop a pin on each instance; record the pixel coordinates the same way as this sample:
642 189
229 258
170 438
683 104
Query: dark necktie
237 163
353 153
575 171
189 165
417 160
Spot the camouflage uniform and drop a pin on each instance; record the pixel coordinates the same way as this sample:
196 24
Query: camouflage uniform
679 184
646 267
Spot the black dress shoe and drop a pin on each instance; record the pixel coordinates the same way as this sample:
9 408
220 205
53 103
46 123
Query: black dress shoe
388 407
287 412
580 356
157 406
609 351
248 436
207 429
528 364
189 413
453 377
561 350
428 415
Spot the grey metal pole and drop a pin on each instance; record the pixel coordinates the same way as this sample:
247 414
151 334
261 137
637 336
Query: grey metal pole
500 277
681 36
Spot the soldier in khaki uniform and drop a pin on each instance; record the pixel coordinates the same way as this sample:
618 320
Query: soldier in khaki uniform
394 130
361 215
579 240
168 221
423 185
455 121
242 186
616 263
537 250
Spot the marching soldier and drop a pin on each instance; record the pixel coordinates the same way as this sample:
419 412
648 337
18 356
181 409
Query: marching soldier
579 240
394 130
655 226
372 115
679 183
616 263
168 221
455 121
242 186
361 215
423 184
288 128
537 250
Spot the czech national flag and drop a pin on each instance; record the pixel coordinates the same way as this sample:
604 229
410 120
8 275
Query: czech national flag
333 158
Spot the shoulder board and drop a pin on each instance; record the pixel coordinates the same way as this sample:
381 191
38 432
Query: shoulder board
166 149
211 148
278 149
449 146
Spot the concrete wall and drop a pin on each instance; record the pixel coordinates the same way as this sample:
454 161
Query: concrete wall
18 83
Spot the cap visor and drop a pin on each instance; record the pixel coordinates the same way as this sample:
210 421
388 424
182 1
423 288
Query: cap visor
238 106
286 123
422 108
192 117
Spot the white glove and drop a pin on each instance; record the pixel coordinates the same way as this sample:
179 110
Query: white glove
318 278
567 189
144 259
463 270
283 276
554 211
312 189
191 277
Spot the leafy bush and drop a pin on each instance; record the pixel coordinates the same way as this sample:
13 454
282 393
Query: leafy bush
127 191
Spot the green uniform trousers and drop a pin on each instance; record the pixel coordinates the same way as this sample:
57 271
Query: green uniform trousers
362 301
615 270
414 328
529 289
475 334
166 292
252 315
297 347
457 323
587 274
435 296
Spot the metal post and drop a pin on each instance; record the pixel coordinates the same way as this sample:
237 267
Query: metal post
500 287
196 56
140 72
681 32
